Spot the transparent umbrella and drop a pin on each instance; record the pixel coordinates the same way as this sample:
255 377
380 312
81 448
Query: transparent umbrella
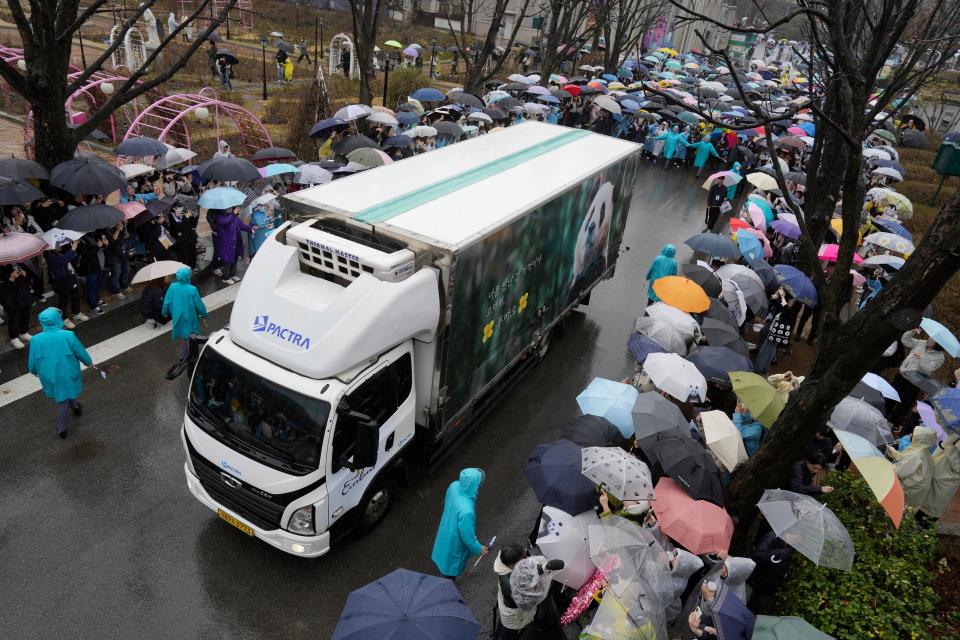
682 321
662 332
564 537
809 527
622 475
860 417
612 622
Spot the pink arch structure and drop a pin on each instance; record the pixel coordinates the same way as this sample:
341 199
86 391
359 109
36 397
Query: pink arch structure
167 120
11 56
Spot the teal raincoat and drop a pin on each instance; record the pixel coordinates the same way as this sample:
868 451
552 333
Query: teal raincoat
750 430
670 141
183 304
704 150
456 538
662 265
732 189
55 357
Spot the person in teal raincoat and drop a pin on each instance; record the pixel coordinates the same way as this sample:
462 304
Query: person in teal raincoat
732 189
663 265
750 430
456 537
671 139
55 357
183 304
704 149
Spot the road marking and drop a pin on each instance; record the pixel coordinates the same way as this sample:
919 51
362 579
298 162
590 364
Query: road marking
112 347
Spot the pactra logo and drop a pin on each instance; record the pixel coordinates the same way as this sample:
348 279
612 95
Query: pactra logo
262 324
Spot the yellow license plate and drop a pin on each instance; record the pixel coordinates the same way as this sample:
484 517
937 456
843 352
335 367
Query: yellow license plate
223 515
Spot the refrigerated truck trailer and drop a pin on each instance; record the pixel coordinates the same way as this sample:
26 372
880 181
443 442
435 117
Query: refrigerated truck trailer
389 320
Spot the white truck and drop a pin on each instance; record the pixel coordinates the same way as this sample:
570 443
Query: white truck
384 325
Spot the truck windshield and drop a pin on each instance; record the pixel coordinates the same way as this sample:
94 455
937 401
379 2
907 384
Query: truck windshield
277 426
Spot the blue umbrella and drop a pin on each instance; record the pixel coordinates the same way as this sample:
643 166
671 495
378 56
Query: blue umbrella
947 404
609 77
405 605
799 285
407 118
397 142
428 94
324 128
629 104
943 336
641 346
750 246
610 400
731 618
221 198
893 227
809 127
715 245
279 168
554 474
550 99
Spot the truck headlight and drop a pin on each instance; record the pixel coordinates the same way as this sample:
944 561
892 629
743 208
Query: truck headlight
302 522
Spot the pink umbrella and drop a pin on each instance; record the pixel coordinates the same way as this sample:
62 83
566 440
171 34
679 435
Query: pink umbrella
386 159
789 217
796 131
767 249
131 209
16 247
729 178
699 526
857 278
929 419
828 253
756 216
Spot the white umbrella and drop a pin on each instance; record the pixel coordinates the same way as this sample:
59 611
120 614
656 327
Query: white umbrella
876 153
884 259
564 537
762 181
676 376
662 332
481 116
312 174
516 77
135 169
265 198
890 172
620 474
876 382
723 439
809 527
175 156
55 237
684 322
159 269
379 117
607 103
353 112
422 131
890 241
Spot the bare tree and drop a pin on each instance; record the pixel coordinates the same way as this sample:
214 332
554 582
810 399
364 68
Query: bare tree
47 37
366 25
936 100
622 24
851 41
565 32
480 63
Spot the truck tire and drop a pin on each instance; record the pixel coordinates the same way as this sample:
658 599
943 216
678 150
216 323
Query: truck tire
374 506
543 347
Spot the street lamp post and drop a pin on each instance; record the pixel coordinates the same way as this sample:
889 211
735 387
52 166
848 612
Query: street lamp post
320 39
386 76
83 56
316 41
433 56
263 64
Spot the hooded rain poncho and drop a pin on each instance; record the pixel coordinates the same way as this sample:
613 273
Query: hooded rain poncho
663 265
704 150
183 304
946 478
456 537
914 467
670 141
55 357
732 189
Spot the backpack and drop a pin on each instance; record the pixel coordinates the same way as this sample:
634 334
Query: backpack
281 56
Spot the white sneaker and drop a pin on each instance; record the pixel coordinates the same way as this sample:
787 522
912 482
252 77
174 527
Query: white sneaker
228 281
16 344
235 279
217 272
69 324
25 337
82 317
151 323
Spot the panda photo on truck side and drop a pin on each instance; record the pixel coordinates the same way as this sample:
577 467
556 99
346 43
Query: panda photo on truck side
593 241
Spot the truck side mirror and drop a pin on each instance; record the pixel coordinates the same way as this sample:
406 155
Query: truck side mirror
366 442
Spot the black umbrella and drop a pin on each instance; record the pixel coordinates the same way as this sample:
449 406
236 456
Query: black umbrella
140 147
714 245
23 168
554 474
796 177
470 100
352 143
284 46
450 129
214 37
273 153
914 139
228 56
652 414
715 363
397 142
508 103
90 217
324 128
13 191
496 113
720 334
88 175
160 206
560 94
515 86
868 394
704 277
690 465
916 120
142 218
230 168
592 431
453 49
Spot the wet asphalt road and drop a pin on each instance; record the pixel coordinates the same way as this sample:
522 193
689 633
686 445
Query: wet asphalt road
100 537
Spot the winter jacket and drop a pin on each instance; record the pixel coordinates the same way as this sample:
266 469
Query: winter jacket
456 538
61 265
16 295
750 430
229 226
183 228
512 616
183 304
151 300
55 357
663 265
920 358
801 480
914 467
946 478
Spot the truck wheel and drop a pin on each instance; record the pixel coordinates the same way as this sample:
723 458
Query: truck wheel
544 345
374 507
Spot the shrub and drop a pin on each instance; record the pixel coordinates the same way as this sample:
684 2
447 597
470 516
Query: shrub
402 83
887 594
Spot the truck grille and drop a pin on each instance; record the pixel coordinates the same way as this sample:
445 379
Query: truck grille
258 511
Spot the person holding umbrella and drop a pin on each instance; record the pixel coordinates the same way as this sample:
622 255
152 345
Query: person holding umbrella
663 265
182 303
224 71
456 538
229 244
924 356
61 265
55 357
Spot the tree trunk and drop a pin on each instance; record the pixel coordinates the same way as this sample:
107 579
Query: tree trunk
54 141
366 79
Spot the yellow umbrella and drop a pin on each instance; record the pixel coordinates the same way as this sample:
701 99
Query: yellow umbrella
668 50
393 43
682 293
616 86
837 225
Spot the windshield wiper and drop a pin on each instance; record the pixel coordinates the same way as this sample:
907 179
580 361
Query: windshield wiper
205 416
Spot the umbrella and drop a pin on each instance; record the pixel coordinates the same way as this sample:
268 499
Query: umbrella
688 463
369 157
140 147
929 418
729 178
762 181
393 43
470 100
760 397
428 94
721 334
175 156
797 284
868 394
860 417
699 526
324 128
607 104
131 209
714 245
351 112
221 198
877 471
273 153
662 332
890 241
13 191
876 382
397 142
451 129
352 143
653 414
229 169
740 289
946 402
682 321
159 269
611 621
704 277
828 253
723 439
715 363
721 312
766 273
553 471
893 227
682 293
90 217
16 247
592 431
731 618
406 604
277 169
674 375
379 117
610 400
786 228
889 172
564 537
229 57
86 175
56 237
923 382
23 168
312 174
942 336
641 346
750 246
284 46
809 527
407 118
132 170
786 628
620 474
